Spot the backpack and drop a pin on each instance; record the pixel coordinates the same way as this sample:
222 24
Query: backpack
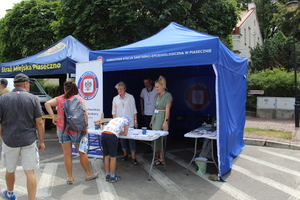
74 115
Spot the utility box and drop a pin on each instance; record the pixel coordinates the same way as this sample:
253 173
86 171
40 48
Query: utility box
275 107
266 107
266 102
285 103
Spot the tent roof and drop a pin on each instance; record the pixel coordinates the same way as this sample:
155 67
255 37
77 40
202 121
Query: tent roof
60 58
173 46
172 34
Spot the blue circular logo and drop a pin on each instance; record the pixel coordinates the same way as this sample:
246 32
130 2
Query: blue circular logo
88 85
197 97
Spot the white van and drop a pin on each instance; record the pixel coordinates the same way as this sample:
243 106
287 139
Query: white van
35 89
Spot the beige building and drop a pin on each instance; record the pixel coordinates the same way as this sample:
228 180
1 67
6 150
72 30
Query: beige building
247 33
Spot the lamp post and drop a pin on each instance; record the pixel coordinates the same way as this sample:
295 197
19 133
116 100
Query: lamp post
292 6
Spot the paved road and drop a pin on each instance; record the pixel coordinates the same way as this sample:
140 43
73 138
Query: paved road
257 173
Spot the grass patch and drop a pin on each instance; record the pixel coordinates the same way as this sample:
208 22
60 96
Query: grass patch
270 133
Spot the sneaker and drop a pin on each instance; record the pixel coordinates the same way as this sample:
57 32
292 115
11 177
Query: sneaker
13 197
107 177
114 179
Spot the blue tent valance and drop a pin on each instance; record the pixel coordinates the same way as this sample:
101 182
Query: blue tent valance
59 58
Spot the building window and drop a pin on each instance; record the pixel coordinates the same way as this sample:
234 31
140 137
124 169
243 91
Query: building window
249 30
245 36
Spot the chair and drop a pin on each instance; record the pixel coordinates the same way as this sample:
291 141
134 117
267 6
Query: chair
182 125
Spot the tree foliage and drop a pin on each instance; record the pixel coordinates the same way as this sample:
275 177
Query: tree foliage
33 25
265 11
26 29
273 82
275 53
284 20
278 49
106 24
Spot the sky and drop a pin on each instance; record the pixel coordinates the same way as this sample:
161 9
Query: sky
6 4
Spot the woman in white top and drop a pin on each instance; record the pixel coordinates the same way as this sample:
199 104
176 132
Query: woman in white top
124 104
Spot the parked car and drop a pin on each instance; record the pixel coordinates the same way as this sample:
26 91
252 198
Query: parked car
35 89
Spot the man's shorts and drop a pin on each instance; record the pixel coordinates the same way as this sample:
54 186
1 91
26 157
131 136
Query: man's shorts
66 138
109 144
28 155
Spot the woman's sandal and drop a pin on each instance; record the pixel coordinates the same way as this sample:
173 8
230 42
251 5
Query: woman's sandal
161 162
70 182
92 177
134 161
125 158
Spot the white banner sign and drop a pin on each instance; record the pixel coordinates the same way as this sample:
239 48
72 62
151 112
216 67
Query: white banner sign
89 79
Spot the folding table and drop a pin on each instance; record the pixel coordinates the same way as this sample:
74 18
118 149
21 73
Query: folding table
136 134
202 132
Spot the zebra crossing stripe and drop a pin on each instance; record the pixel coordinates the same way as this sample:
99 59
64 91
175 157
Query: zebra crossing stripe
106 189
270 182
225 187
271 165
173 189
46 183
281 155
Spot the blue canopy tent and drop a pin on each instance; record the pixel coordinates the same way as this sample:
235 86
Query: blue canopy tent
203 76
60 58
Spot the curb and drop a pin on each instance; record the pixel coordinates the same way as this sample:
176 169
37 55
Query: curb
268 143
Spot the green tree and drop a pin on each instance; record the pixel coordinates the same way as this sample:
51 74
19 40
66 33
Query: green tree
276 52
265 11
26 29
216 18
283 19
103 24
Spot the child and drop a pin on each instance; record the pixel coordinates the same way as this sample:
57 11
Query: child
116 126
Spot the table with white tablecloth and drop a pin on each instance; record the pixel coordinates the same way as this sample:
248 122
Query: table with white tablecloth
135 134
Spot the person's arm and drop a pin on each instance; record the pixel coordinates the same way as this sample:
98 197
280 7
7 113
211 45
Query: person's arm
135 121
165 125
150 124
114 109
0 130
85 115
133 107
142 106
48 105
125 132
41 133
